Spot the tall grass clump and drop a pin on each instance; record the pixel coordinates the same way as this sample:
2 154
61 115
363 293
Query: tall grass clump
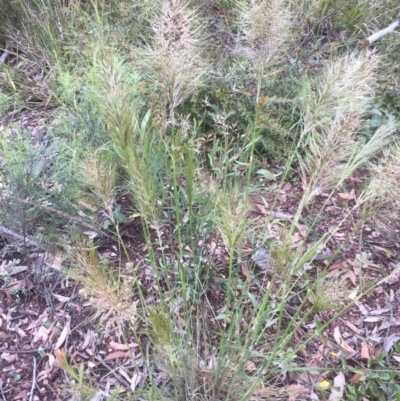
332 114
115 91
265 32
173 57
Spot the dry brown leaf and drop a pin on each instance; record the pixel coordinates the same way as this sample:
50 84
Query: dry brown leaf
262 209
22 395
122 347
339 384
116 355
350 274
356 378
349 196
54 262
135 380
212 246
364 351
38 321
63 334
245 271
61 357
340 341
89 337
352 327
362 308
302 229
61 298
296 238
295 390
337 264
9 357
41 335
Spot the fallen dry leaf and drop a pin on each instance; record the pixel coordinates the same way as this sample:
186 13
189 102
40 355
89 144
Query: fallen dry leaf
356 378
339 339
302 229
135 380
350 274
262 209
61 358
389 341
364 351
352 327
9 357
21 395
54 262
89 338
116 355
41 335
63 334
349 196
295 390
245 271
61 298
122 347
338 387
38 321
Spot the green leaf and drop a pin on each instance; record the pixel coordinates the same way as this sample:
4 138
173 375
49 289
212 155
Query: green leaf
267 174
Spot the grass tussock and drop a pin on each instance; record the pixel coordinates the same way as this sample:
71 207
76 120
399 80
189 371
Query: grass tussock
109 293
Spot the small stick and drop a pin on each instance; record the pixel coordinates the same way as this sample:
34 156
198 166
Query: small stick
28 351
118 377
376 36
33 379
1 389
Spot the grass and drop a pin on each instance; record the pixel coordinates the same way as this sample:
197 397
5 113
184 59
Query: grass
159 130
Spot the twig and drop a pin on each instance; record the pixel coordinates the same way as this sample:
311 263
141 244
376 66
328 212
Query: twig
376 36
33 379
28 351
119 378
1 389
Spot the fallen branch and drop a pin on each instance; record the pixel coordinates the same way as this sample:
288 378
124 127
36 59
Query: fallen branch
376 36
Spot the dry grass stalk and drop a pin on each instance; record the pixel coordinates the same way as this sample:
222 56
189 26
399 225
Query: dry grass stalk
381 200
174 57
110 295
100 178
333 109
266 26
